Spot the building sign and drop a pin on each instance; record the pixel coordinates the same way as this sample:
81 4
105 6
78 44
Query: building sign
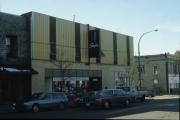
93 43
174 80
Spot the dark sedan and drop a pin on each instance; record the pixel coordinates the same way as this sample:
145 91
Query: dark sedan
108 98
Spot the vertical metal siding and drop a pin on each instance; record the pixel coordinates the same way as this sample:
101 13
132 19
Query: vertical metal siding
107 47
65 40
131 50
84 43
121 48
40 37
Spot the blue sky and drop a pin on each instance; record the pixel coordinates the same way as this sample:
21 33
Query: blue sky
131 17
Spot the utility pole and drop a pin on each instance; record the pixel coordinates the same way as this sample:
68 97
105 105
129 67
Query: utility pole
139 61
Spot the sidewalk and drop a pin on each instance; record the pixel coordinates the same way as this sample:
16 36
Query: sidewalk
158 97
167 97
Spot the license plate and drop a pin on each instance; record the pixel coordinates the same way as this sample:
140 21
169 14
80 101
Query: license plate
87 104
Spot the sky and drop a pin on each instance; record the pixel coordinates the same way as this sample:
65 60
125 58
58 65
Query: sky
130 17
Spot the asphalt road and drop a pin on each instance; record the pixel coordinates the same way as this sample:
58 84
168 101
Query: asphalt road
151 109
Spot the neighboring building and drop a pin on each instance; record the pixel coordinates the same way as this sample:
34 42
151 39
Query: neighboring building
65 55
15 62
160 72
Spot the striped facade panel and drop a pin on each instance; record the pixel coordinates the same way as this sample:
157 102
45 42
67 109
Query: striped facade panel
65 40
131 46
121 49
52 38
115 48
78 42
128 50
84 43
106 43
40 37
93 60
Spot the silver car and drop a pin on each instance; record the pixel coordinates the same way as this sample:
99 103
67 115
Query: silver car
43 100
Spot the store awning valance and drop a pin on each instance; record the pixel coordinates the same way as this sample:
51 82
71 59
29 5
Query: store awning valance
17 70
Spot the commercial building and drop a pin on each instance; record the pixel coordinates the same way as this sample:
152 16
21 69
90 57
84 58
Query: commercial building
15 62
160 72
63 55
70 54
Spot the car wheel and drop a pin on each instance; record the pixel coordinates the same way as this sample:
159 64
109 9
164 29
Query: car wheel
61 106
35 108
106 104
152 95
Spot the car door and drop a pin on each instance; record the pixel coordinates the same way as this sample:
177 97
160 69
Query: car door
55 99
45 101
108 96
121 96
116 97
135 92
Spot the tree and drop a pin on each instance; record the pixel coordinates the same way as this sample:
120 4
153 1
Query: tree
131 73
63 65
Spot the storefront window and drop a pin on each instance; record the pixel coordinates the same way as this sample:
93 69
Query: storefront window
121 78
71 85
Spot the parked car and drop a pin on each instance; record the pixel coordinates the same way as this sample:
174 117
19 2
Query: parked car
42 100
80 100
107 98
149 93
72 97
135 93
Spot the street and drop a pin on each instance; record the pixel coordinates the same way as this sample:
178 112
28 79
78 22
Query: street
150 109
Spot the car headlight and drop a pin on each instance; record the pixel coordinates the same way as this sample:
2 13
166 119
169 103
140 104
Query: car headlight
26 104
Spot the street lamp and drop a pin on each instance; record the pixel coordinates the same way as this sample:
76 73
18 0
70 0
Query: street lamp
139 62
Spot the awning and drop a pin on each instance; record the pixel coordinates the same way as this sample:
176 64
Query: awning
16 70
70 78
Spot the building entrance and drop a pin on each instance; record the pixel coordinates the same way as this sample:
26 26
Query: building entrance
14 87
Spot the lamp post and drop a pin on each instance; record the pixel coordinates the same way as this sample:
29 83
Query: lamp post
139 62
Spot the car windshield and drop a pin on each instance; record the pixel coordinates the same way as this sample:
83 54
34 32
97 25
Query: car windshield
36 96
92 93
104 93
126 89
